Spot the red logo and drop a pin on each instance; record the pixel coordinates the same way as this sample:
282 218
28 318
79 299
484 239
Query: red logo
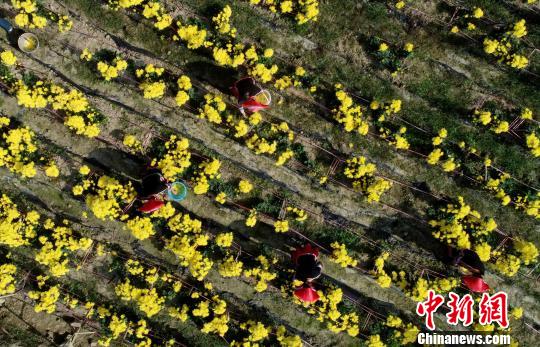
491 309
428 307
494 309
460 309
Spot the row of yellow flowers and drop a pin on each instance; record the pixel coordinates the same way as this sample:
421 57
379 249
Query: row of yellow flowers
52 244
71 105
32 14
303 11
348 113
462 227
499 124
448 155
25 225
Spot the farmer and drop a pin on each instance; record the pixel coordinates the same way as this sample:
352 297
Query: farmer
153 183
250 95
471 269
152 191
308 269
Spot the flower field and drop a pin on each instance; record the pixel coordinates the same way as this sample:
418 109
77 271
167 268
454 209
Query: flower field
397 129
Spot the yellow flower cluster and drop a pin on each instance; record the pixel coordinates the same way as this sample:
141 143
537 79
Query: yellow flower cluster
348 113
218 324
86 55
517 312
45 300
287 340
375 340
153 90
153 10
27 16
533 143
494 184
393 107
151 86
299 214
483 249
206 171
51 170
262 72
251 220
105 196
7 278
118 325
111 70
485 117
241 128
383 113
396 139
507 264
328 310
184 86
141 227
529 203
457 223
363 178
284 157
224 240
281 226
261 273
222 22
257 332
202 310
79 116
181 315
185 243
308 10
303 10
283 82
176 160
400 4
230 55
147 300
230 267
134 267
470 18
434 157
16 229
221 197
382 278
418 291
523 253
244 186
55 247
64 23
8 58
131 142
268 143
505 48
191 35
17 148
406 333
341 256
212 108
527 251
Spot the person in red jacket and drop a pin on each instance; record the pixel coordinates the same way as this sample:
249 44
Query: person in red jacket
308 268
152 191
471 269
251 97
